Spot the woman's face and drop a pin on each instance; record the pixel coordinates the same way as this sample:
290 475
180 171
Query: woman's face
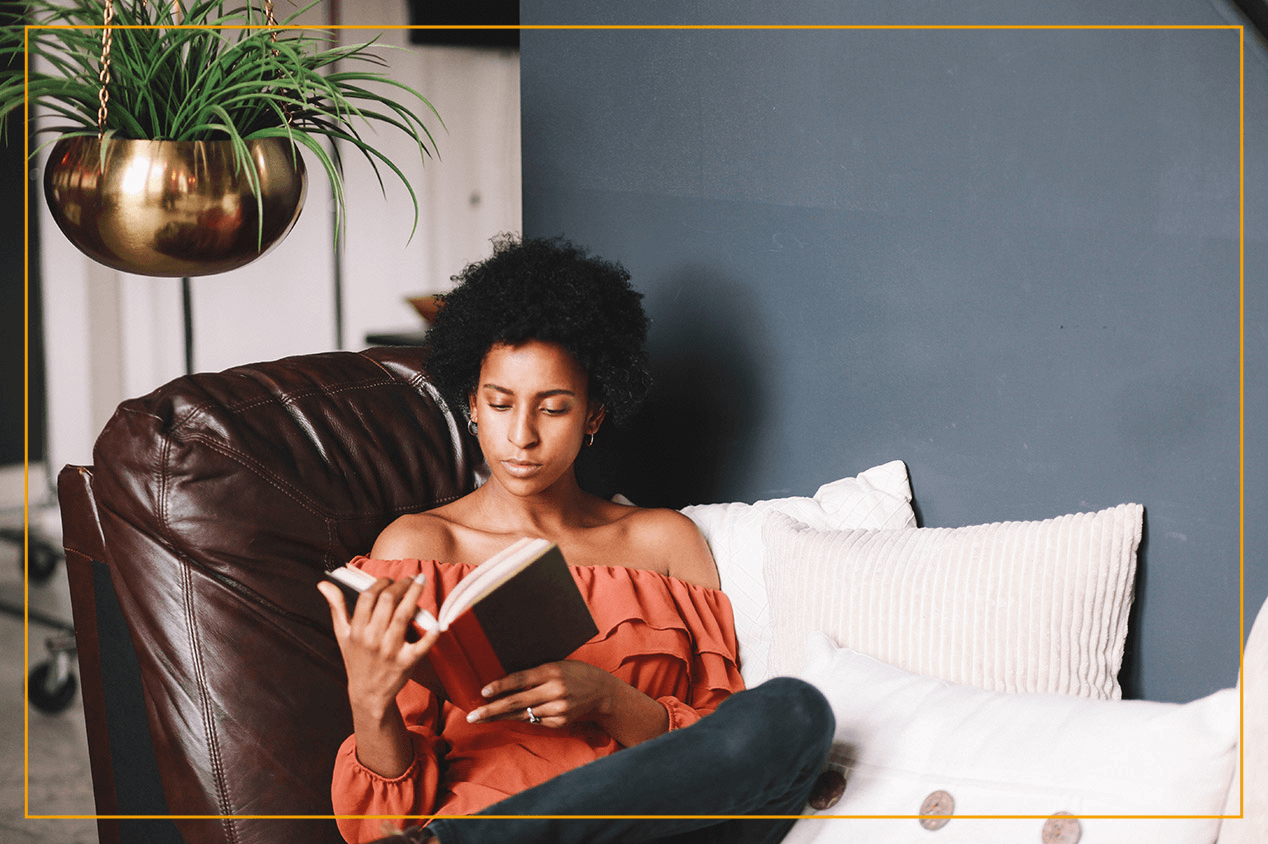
532 407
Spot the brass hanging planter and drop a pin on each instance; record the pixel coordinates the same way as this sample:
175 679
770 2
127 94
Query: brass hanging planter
195 73
174 208
171 208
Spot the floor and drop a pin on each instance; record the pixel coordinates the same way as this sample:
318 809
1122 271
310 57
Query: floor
54 781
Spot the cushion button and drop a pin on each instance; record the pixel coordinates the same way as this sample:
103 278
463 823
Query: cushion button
937 803
1062 828
827 790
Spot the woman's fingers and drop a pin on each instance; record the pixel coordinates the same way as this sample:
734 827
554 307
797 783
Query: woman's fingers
383 598
417 650
516 682
559 693
511 696
381 616
338 607
517 710
406 594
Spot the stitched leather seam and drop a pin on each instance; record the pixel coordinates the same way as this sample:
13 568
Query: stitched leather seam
260 470
290 489
223 798
200 674
160 506
330 543
279 398
172 543
386 379
184 418
250 595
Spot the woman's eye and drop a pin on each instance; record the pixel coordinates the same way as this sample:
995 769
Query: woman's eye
554 411
499 406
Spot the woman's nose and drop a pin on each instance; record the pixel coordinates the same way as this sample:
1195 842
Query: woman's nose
522 433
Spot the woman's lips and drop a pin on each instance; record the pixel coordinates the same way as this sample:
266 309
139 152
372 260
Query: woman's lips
520 468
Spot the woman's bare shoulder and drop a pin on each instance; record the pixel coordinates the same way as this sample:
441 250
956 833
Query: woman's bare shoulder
422 536
670 536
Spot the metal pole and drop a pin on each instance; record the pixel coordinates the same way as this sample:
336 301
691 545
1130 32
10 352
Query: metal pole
333 19
187 312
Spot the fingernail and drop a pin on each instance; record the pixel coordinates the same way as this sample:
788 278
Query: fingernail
487 691
473 716
420 579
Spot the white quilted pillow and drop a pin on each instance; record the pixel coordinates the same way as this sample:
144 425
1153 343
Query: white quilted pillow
1005 765
876 499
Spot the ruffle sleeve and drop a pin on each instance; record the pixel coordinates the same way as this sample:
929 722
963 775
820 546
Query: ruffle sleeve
672 640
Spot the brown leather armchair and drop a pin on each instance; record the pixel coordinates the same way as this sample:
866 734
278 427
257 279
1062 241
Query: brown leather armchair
212 684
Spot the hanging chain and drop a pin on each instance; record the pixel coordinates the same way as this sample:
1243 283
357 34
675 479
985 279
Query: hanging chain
103 95
107 32
272 22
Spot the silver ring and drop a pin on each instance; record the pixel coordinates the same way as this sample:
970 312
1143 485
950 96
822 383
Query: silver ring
532 719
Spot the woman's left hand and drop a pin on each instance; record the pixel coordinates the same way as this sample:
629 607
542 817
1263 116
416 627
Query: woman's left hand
559 693
563 693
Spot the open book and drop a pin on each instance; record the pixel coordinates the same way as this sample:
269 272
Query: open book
518 609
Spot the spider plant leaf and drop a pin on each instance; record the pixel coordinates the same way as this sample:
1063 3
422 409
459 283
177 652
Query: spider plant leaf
244 164
370 154
344 77
408 122
106 138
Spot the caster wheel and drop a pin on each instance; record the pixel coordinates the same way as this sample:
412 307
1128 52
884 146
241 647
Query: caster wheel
41 561
54 699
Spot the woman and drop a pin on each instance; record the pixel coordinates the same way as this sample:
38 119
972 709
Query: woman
541 343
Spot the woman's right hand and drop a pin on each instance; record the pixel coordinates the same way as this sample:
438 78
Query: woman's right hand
376 655
378 661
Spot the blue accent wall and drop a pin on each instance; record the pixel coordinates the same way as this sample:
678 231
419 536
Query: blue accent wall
1008 257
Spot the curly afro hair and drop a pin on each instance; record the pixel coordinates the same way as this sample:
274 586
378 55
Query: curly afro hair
552 291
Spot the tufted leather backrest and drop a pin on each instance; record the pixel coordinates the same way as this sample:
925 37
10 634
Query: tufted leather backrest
221 499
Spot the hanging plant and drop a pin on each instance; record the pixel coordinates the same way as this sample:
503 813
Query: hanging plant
229 92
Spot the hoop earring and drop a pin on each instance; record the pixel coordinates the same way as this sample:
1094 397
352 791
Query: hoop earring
590 441
472 428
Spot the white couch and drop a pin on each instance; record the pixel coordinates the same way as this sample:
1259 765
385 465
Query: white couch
973 673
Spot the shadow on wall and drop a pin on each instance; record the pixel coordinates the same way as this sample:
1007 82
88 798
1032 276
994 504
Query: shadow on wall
708 403
1133 656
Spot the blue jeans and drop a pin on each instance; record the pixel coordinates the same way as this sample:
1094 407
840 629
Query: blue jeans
758 754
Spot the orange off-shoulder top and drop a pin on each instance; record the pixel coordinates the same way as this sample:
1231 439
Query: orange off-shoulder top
672 640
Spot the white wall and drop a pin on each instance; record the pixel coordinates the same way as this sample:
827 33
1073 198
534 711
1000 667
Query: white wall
110 335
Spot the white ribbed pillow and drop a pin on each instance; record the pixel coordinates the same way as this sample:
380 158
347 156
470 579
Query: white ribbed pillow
1011 606
877 498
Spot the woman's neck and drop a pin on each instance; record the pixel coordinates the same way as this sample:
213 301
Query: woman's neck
551 513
